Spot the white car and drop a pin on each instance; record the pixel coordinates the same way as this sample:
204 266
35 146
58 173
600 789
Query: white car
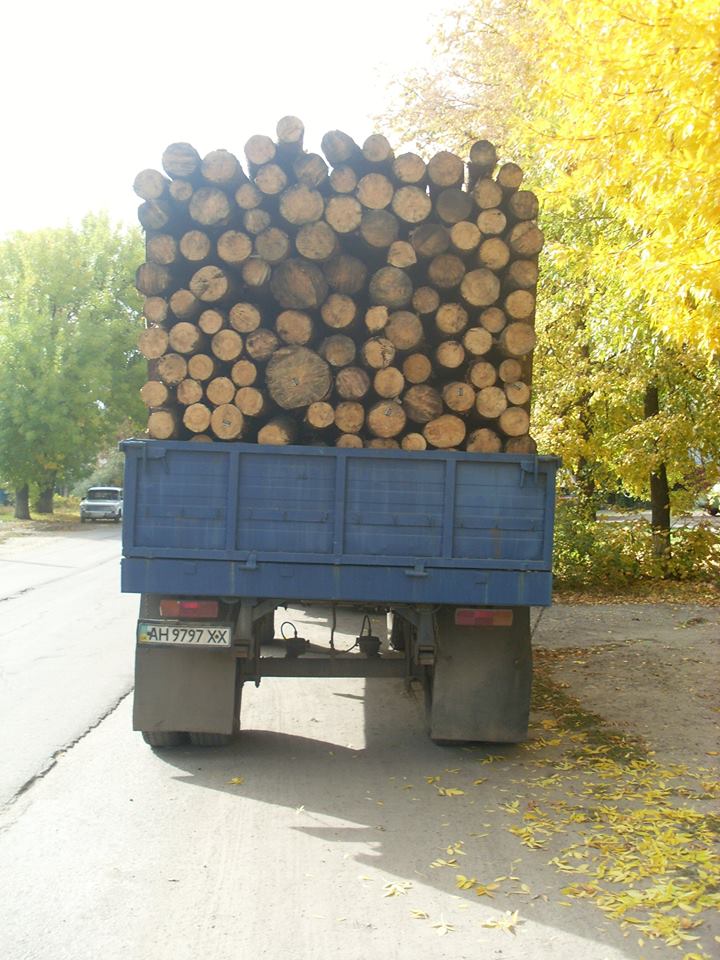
102 503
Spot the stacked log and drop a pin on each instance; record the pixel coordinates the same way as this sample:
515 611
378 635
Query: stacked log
361 300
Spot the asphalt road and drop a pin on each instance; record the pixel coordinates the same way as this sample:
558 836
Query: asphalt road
321 832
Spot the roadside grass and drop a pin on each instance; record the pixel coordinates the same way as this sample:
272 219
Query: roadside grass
66 516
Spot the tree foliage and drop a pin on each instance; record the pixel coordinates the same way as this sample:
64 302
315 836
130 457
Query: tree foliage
69 368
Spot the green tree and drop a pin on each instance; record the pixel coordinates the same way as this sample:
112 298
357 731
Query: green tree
69 368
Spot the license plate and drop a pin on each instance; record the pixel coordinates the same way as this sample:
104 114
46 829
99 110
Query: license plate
184 634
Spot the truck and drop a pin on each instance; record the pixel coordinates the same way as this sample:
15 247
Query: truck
454 547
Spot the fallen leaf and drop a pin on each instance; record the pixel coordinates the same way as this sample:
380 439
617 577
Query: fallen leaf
237 780
397 889
443 927
419 915
507 922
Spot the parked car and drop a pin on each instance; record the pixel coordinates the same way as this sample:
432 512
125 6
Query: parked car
712 503
102 503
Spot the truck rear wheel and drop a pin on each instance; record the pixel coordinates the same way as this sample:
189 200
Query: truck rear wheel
164 738
210 739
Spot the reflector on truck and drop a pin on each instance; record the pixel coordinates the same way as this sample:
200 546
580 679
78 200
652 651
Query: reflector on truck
176 609
469 617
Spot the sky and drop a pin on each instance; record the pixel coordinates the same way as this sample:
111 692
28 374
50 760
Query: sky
94 91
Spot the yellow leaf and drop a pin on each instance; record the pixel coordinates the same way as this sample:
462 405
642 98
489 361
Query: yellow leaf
237 780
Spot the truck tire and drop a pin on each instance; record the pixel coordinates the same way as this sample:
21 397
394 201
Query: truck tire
164 738
210 739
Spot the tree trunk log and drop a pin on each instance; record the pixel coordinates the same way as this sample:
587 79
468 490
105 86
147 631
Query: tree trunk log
483 441
352 383
278 432
296 377
197 417
386 419
298 285
22 502
422 403
445 431
350 416
227 422
181 160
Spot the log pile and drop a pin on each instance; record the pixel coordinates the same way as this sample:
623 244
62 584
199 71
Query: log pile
360 299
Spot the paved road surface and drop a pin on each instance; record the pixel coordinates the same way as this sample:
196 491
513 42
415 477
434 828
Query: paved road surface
312 836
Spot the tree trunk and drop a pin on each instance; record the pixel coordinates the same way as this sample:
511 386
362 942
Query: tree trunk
659 488
45 495
22 503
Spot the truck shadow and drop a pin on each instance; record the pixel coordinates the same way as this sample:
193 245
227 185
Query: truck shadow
379 803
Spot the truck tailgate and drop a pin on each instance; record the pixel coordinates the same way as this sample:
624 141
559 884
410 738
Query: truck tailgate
326 523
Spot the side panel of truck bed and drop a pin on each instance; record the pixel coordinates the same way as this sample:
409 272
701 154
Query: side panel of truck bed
337 524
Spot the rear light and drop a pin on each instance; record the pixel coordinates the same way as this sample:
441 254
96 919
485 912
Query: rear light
469 617
189 609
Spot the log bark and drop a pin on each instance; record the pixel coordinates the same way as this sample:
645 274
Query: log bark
382 443
483 157
226 422
256 273
297 377
422 403
523 444
154 214
339 148
430 240
298 285
294 327
386 419
350 416
445 431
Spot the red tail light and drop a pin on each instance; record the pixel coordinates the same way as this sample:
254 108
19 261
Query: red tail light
469 617
189 609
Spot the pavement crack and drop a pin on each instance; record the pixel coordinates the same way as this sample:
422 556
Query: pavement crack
65 748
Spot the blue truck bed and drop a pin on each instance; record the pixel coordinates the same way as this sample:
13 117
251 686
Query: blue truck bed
322 523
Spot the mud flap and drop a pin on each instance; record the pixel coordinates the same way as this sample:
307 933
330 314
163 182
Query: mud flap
186 690
482 680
